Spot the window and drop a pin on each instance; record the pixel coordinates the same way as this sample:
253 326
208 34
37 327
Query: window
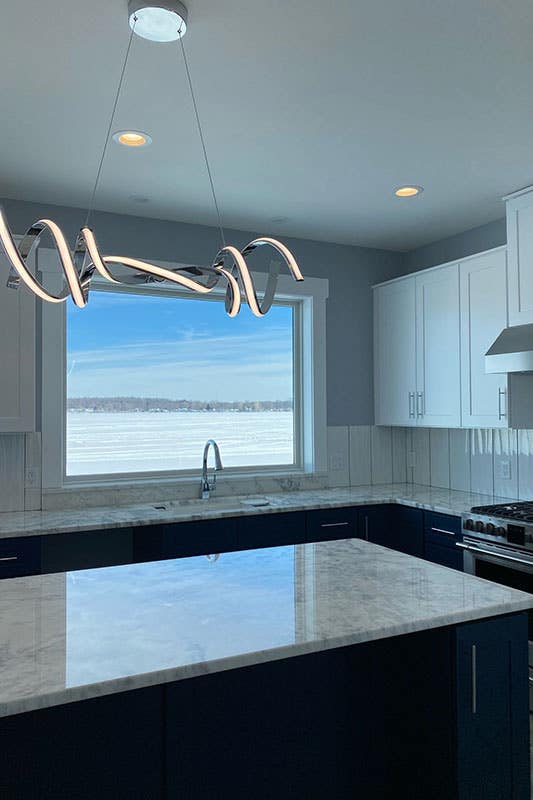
150 378
135 383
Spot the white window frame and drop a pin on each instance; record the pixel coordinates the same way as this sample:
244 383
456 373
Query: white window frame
309 301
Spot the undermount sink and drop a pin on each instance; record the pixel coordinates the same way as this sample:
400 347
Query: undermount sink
247 502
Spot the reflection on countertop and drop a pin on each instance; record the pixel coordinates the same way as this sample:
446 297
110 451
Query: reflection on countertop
83 634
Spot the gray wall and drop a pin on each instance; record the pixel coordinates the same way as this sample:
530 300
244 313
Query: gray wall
351 272
493 234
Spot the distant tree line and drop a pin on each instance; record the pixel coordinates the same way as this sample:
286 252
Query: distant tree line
160 404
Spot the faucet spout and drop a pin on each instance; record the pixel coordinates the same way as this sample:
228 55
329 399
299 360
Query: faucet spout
207 486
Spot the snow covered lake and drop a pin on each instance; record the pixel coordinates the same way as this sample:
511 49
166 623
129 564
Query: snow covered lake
99 443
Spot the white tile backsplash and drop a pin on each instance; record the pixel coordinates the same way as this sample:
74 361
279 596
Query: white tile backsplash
459 459
505 462
360 455
481 461
338 456
381 452
421 455
439 454
525 465
399 454
12 471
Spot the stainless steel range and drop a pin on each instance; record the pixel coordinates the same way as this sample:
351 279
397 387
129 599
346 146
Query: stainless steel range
498 545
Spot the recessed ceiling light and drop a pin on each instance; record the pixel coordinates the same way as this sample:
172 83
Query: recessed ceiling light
408 191
158 20
132 138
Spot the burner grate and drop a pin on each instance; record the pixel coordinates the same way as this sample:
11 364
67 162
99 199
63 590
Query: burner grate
522 511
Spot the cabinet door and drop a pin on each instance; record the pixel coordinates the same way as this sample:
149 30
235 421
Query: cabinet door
492 709
394 352
270 530
520 255
438 368
483 317
17 355
397 527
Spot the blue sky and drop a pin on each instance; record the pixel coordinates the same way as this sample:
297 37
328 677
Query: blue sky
132 345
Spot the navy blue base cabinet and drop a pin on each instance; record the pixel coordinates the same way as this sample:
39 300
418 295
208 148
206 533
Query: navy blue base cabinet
398 527
435 715
19 557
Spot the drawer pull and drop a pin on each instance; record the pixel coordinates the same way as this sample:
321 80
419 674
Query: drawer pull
334 524
441 530
9 558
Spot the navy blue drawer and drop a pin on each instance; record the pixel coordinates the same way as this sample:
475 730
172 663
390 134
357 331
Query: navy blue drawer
331 523
442 529
20 557
271 530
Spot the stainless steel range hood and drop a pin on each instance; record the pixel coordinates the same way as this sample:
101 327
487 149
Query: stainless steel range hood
512 351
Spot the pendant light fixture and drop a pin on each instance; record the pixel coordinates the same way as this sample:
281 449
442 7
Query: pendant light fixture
157 21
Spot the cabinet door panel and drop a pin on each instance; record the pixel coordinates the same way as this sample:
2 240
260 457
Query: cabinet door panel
492 709
87 550
394 346
271 530
483 317
520 254
438 348
17 355
20 557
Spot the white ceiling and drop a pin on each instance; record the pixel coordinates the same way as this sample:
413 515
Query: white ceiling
312 112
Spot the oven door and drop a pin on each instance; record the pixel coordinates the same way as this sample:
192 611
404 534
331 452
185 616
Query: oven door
506 565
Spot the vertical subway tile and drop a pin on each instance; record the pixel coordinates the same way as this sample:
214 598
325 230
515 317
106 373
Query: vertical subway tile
32 472
460 459
525 465
12 472
360 455
381 451
399 455
421 470
338 456
481 464
439 452
505 460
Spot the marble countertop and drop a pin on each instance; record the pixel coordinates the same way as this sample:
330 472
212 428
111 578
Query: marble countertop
170 620
34 523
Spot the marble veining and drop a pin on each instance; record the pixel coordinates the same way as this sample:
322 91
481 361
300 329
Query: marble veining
79 635
33 523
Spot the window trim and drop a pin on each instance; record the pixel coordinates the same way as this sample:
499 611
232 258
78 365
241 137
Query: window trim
307 298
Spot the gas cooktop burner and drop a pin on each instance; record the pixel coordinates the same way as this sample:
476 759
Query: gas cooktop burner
522 511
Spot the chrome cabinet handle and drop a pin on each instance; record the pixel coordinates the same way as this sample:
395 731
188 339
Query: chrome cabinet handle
411 405
9 558
501 393
420 404
334 524
474 679
441 530
503 556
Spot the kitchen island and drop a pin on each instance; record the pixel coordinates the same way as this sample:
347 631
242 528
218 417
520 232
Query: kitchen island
334 669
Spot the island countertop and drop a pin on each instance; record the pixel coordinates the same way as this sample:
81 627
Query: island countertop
78 635
35 523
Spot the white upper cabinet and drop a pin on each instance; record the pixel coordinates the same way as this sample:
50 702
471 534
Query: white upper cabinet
483 317
438 370
17 356
520 257
394 352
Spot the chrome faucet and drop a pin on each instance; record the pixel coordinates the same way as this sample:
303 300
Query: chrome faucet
208 487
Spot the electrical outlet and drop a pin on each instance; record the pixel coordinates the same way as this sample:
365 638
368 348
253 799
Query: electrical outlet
32 477
337 462
503 469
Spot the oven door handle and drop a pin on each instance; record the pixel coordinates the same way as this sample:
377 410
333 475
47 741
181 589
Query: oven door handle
483 552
